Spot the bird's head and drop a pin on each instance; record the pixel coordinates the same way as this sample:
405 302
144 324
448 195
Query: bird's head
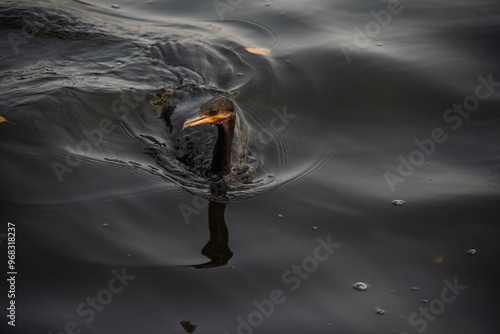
217 110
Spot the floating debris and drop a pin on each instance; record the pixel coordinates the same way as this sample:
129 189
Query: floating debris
239 74
360 286
425 301
115 6
398 202
2 119
415 288
380 311
315 228
105 225
280 216
379 44
129 256
188 326
258 51
471 251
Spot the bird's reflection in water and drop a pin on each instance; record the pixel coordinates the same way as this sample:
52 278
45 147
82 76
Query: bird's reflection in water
229 155
217 248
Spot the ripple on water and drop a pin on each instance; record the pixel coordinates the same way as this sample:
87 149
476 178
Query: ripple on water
185 155
122 77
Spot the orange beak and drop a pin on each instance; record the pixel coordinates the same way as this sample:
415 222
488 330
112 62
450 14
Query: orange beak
200 119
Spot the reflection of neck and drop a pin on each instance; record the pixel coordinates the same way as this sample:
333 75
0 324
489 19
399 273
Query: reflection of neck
217 248
221 162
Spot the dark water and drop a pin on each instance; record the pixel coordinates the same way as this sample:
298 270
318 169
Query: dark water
359 103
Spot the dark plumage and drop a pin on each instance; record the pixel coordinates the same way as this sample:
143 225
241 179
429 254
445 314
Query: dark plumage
219 111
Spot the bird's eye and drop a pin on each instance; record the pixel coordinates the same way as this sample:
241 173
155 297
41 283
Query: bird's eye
213 112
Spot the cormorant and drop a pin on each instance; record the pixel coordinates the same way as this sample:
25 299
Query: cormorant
220 111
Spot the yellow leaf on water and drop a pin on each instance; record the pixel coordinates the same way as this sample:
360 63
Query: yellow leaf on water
4 120
258 51
438 260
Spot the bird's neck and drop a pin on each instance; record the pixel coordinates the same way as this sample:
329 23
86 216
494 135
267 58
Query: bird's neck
221 163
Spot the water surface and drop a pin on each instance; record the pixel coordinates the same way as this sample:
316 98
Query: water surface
347 113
